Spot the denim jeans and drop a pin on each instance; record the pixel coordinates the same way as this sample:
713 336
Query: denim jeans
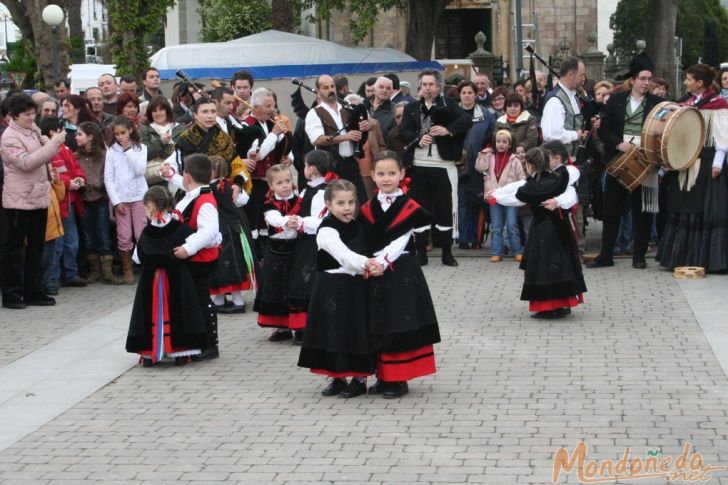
97 228
70 245
467 218
52 252
624 238
504 217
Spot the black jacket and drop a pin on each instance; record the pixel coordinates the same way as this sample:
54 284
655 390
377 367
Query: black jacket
611 131
457 123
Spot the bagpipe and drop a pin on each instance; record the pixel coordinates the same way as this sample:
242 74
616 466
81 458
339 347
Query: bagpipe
357 114
439 116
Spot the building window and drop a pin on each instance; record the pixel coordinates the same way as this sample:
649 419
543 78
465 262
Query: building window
455 36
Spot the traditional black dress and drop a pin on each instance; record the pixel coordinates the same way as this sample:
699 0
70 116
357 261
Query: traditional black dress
235 265
336 342
553 278
402 321
696 227
166 320
271 300
303 268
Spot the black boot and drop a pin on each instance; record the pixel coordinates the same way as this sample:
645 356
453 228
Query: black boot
610 230
421 240
446 243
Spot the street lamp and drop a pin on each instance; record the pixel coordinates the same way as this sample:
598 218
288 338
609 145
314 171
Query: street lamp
53 16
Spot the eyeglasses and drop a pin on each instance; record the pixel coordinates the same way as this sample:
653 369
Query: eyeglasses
499 98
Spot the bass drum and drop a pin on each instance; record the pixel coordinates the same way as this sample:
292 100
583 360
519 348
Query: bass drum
630 168
673 136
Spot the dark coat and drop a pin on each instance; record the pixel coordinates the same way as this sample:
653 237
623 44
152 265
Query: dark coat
611 131
457 123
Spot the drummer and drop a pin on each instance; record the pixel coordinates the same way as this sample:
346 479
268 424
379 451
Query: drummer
621 127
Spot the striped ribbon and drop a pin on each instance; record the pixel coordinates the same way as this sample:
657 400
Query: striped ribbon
160 312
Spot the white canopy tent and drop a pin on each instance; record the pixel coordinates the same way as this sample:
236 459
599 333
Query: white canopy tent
275 55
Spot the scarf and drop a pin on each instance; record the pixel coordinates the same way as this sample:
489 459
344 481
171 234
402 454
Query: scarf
161 129
501 160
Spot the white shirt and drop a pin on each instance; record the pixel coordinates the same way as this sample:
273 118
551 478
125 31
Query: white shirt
208 226
506 195
277 220
311 223
554 116
315 129
329 240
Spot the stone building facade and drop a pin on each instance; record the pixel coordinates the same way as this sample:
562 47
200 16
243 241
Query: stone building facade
546 22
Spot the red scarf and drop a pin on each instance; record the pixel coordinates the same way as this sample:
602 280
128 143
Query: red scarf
513 119
501 160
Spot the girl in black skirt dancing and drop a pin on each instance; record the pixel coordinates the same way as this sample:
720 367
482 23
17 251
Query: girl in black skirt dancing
336 342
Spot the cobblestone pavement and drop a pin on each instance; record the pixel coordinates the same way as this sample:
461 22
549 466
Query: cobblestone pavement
631 368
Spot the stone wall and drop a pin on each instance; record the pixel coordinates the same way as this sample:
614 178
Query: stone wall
573 20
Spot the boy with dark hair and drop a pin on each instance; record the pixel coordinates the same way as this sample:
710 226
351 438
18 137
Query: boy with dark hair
199 209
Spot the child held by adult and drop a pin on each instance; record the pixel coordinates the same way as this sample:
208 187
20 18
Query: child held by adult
402 321
336 342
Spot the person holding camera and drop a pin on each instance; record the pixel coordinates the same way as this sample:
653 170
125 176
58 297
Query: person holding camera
26 197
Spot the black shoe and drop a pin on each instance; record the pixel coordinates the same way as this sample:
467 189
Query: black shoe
41 301
464 245
280 336
51 290
639 263
448 259
76 282
183 360
566 311
298 337
548 314
599 264
147 362
378 387
14 305
208 354
422 258
335 387
232 308
395 390
354 389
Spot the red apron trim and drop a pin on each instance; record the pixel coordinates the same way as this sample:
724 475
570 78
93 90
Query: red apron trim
279 321
548 305
405 366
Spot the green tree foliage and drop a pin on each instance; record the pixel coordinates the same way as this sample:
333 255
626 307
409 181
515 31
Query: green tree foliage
21 58
130 21
224 20
702 25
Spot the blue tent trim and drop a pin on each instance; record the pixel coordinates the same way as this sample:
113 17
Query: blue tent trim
302 71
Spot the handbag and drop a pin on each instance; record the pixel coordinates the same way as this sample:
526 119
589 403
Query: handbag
153 171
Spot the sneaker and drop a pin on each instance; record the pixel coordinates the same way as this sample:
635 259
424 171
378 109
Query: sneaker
496 259
518 258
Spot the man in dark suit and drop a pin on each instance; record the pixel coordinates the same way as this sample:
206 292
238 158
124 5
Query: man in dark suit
625 113
434 129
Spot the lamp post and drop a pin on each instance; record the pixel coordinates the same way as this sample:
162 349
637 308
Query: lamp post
53 16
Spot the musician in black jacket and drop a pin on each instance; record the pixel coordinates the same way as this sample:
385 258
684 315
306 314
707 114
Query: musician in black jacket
434 129
624 116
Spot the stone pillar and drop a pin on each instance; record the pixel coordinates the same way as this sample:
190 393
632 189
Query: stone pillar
482 59
610 64
593 59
